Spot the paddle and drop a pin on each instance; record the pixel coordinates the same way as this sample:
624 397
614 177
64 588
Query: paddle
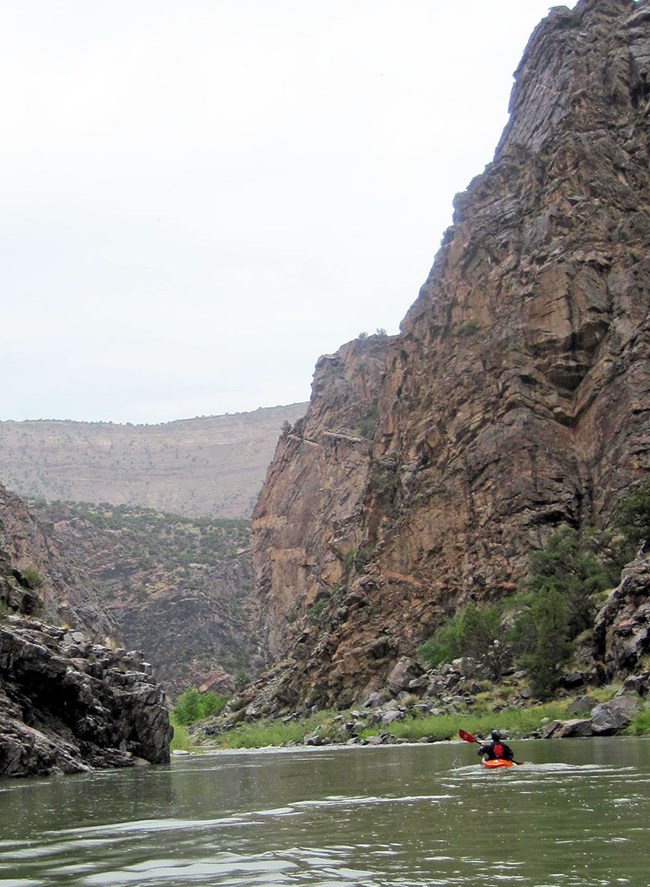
467 737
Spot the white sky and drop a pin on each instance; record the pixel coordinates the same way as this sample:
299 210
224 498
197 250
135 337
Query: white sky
201 197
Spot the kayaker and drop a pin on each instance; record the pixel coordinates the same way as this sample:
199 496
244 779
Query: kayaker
495 747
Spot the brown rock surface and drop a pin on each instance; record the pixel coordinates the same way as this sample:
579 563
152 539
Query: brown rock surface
516 396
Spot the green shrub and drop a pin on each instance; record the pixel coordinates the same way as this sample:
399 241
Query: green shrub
570 563
476 632
445 644
356 558
632 518
548 641
640 725
559 603
32 577
316 610
466 328
193 706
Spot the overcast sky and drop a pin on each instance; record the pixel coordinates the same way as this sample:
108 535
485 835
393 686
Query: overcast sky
201 197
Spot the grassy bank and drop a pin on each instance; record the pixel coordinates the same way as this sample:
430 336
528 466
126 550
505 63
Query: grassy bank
324 727
329 727
181 740
516 722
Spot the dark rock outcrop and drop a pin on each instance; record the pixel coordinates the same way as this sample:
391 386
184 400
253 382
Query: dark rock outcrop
67 705
516 397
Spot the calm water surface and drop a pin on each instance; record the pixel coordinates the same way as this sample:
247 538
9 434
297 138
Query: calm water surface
577 813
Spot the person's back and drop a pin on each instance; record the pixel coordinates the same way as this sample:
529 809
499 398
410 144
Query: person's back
496 748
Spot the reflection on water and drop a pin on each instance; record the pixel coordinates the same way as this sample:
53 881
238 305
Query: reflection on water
575 814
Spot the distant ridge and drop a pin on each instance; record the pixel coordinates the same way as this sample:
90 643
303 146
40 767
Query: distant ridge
211 466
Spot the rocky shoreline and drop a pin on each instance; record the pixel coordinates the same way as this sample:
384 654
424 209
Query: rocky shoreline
617 654
448 693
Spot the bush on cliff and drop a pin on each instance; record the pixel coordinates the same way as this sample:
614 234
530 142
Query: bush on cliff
572 565
559 600
632 518
542 633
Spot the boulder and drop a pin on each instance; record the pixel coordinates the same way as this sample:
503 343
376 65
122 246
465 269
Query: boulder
611 717
573 680
637 683
406 671
581 705
565 729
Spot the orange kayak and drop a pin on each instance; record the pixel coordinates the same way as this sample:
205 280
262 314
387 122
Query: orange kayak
494 763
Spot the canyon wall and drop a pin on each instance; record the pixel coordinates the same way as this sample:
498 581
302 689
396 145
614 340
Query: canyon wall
515 398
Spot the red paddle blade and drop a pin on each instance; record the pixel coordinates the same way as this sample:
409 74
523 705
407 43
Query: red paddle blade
467 737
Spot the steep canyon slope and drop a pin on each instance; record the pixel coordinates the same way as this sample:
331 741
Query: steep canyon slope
180 590
516 396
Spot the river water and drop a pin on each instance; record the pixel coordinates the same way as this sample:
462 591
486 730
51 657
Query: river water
576 813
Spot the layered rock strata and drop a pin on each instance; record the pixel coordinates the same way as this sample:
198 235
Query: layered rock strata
516 396
211 466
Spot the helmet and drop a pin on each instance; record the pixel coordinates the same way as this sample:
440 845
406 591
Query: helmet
495 735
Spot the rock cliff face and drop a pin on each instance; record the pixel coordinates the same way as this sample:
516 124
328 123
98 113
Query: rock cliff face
66 704
622 630
516 396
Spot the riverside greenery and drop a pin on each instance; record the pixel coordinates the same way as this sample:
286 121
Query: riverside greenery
413 728
193 706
